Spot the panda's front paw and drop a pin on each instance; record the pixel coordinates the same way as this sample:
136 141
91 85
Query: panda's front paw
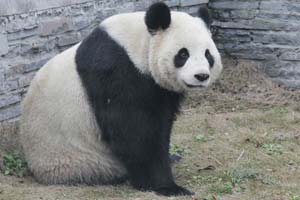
173 190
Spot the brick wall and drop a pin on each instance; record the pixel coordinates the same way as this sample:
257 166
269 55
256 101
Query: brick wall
33 31
267 31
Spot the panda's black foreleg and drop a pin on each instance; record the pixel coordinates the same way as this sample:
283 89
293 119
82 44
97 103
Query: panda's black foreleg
145 154
152 172
157 176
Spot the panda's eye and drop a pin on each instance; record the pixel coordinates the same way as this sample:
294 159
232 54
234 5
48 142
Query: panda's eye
181 57
184 54
209 58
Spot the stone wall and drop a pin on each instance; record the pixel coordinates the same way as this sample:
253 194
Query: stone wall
267 31
33 31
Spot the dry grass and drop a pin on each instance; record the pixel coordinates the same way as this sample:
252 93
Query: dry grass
240 140
243 82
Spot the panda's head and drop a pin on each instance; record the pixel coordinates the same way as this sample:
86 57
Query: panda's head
182 54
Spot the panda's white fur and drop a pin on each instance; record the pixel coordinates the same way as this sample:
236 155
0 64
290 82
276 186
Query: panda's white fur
59 132
59 135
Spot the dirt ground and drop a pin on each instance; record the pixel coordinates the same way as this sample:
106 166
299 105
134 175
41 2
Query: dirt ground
239 140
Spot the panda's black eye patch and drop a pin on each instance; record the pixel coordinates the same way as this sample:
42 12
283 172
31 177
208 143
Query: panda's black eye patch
209 58
181 57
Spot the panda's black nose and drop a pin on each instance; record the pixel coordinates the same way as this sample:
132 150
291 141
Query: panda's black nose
202 77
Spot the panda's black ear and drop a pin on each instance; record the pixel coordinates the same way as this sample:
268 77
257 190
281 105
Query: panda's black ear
158 17
203 13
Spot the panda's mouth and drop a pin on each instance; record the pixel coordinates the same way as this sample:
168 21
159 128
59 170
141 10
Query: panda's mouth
194 86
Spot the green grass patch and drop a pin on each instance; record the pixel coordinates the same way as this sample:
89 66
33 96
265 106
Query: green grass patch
295 197
242 174
222 188
14 164
178 150
204 179
280 110
272 149
203 138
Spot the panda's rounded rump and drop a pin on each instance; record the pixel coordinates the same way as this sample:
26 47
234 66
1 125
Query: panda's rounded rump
59 136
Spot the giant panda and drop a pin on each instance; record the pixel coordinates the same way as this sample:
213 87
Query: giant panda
101 112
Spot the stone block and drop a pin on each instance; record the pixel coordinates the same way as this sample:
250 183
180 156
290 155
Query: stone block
142 5
69 39
3 44
26 79
231 25
55 26
281 38
12 72
10 112
8 85
35 65
291 55
21 34
243 14
192 10
172 3
250 51
126 8
9 99
217 4
224 15
281 69
273 24
279 16
279 6
258 24
10 7
81 23
30 26
13 26
192 2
